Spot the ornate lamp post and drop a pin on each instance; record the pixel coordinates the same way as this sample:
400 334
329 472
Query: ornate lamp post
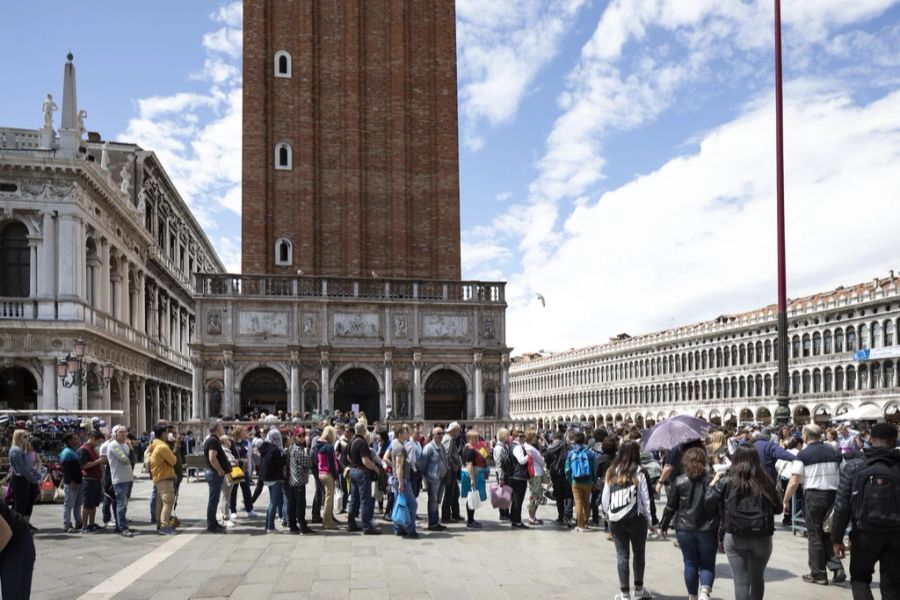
71 370
783 413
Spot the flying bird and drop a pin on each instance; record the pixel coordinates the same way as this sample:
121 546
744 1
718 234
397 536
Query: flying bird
374 274
542 299
300 272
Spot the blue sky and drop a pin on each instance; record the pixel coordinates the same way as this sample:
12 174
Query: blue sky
616 157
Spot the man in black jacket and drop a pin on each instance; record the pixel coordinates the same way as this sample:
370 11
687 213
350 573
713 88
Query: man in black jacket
562 491
872 542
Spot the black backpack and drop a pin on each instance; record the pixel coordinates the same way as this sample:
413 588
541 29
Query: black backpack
875 500
748 516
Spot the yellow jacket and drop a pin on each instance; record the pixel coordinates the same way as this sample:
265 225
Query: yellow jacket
162 461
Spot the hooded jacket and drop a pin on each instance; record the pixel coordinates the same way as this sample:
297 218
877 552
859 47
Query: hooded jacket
271 462
842 502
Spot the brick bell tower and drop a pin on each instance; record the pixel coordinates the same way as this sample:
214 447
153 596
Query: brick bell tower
350 147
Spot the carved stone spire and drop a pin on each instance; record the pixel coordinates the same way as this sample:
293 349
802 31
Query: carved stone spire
69 131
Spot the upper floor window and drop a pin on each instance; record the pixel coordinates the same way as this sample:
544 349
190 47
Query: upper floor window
282 64
284 253
15 261
284 159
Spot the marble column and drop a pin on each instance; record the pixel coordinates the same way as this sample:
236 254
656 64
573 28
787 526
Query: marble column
125 392
388 407
33 244
198 409
141 417
47 260
327 407
68 265
294 404
49 384
103 278
228 392
504 386
106 402
154 404
176 401
418 392
479 386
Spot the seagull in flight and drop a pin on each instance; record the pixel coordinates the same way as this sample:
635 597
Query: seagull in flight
542 299
300 272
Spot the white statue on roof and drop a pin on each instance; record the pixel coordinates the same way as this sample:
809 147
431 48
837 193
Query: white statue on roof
79 122
49 107
125 174
104 156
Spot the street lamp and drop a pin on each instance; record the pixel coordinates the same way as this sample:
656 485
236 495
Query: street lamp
71 370
782 414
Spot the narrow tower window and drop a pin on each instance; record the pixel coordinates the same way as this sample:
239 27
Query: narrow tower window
283 157
282 64
284 253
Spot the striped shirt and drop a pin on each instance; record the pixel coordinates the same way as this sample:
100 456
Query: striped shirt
819 466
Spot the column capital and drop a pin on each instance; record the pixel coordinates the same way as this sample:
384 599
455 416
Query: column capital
228 359
295 358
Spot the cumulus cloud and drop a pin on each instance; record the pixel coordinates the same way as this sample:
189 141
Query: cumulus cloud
502 48
197 136
699 232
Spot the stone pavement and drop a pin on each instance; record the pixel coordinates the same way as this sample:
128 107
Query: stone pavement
495 563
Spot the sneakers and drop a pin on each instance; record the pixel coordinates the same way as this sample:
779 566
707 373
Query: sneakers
622 596
233 516
840 576
704 593
473 525
165 531
126 533
372 531
229 524
642 594
251 514
579 530
808 578
217 529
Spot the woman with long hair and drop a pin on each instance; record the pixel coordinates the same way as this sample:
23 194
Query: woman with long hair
25 473
326 469
695 525
717 448
626 504
750 508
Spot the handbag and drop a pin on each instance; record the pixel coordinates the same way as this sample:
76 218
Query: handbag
530 465
473 499
400 515
501 496
237 473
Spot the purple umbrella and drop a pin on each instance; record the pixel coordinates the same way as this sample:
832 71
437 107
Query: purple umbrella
673 432
698 424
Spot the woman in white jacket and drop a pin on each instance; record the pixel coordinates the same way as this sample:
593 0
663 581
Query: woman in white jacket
626 503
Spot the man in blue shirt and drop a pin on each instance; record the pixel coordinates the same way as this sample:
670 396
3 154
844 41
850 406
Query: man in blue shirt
71 471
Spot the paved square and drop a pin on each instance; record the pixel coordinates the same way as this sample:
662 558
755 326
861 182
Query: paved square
494 563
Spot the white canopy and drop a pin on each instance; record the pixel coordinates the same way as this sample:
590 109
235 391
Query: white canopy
867 412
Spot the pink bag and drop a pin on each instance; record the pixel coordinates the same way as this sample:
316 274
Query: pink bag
501 496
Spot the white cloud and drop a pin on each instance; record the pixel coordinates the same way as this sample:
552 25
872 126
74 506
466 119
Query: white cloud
197 136
502 48
699 232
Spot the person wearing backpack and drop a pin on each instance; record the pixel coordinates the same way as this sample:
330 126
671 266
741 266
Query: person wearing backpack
562 491
750 501
581 473
626 503
869 497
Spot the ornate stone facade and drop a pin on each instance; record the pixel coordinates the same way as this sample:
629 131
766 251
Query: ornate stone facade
111 248
726 369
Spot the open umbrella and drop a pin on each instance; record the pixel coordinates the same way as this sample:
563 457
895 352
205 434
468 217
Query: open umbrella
672 432
694 422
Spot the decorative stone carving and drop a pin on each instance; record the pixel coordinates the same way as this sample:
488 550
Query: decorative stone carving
310 326
214 322
263 323
48 108
445 326
104 156
34 188
401 326
488 328
125 174
357 325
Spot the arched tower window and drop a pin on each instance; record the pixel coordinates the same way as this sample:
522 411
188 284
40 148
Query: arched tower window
284 253
15 261
282 64
284 159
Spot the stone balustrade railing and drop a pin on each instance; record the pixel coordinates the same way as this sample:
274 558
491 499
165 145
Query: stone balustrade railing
347 288
18 308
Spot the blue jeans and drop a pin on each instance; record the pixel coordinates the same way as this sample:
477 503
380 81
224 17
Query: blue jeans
214 480
699 551
411 504
123 492
276 498
435 493
153 504
361 494
72 505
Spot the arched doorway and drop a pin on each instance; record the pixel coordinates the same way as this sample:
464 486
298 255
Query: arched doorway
263 388
18 389
801 415
356 390
445 396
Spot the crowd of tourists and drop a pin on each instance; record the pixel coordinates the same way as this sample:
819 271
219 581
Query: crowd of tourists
719 493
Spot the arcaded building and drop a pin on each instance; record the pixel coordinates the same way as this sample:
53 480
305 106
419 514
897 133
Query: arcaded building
350 297
844 347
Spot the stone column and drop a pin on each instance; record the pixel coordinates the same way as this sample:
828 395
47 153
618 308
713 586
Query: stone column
47 260
418 392
325 383
68 265
228 392
103 292
124 296
294 404
199 410
35 265
179 415
125 392
141 418
388 407
106 402
49 384
504 386
479 386
154 404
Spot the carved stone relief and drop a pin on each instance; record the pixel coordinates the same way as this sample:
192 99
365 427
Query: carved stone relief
401 326
263 323
357 325
488 327
214 322
445 326
310 325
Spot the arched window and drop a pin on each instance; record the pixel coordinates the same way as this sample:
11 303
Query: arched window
876 334
817 381
851 342
839 341
284 253
851 379
806 344
839 379
15 261
795 383
888 333
828 378
817 344
284 157
829 347
282 64
795 346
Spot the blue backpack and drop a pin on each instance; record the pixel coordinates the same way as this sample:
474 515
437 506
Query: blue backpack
580 464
